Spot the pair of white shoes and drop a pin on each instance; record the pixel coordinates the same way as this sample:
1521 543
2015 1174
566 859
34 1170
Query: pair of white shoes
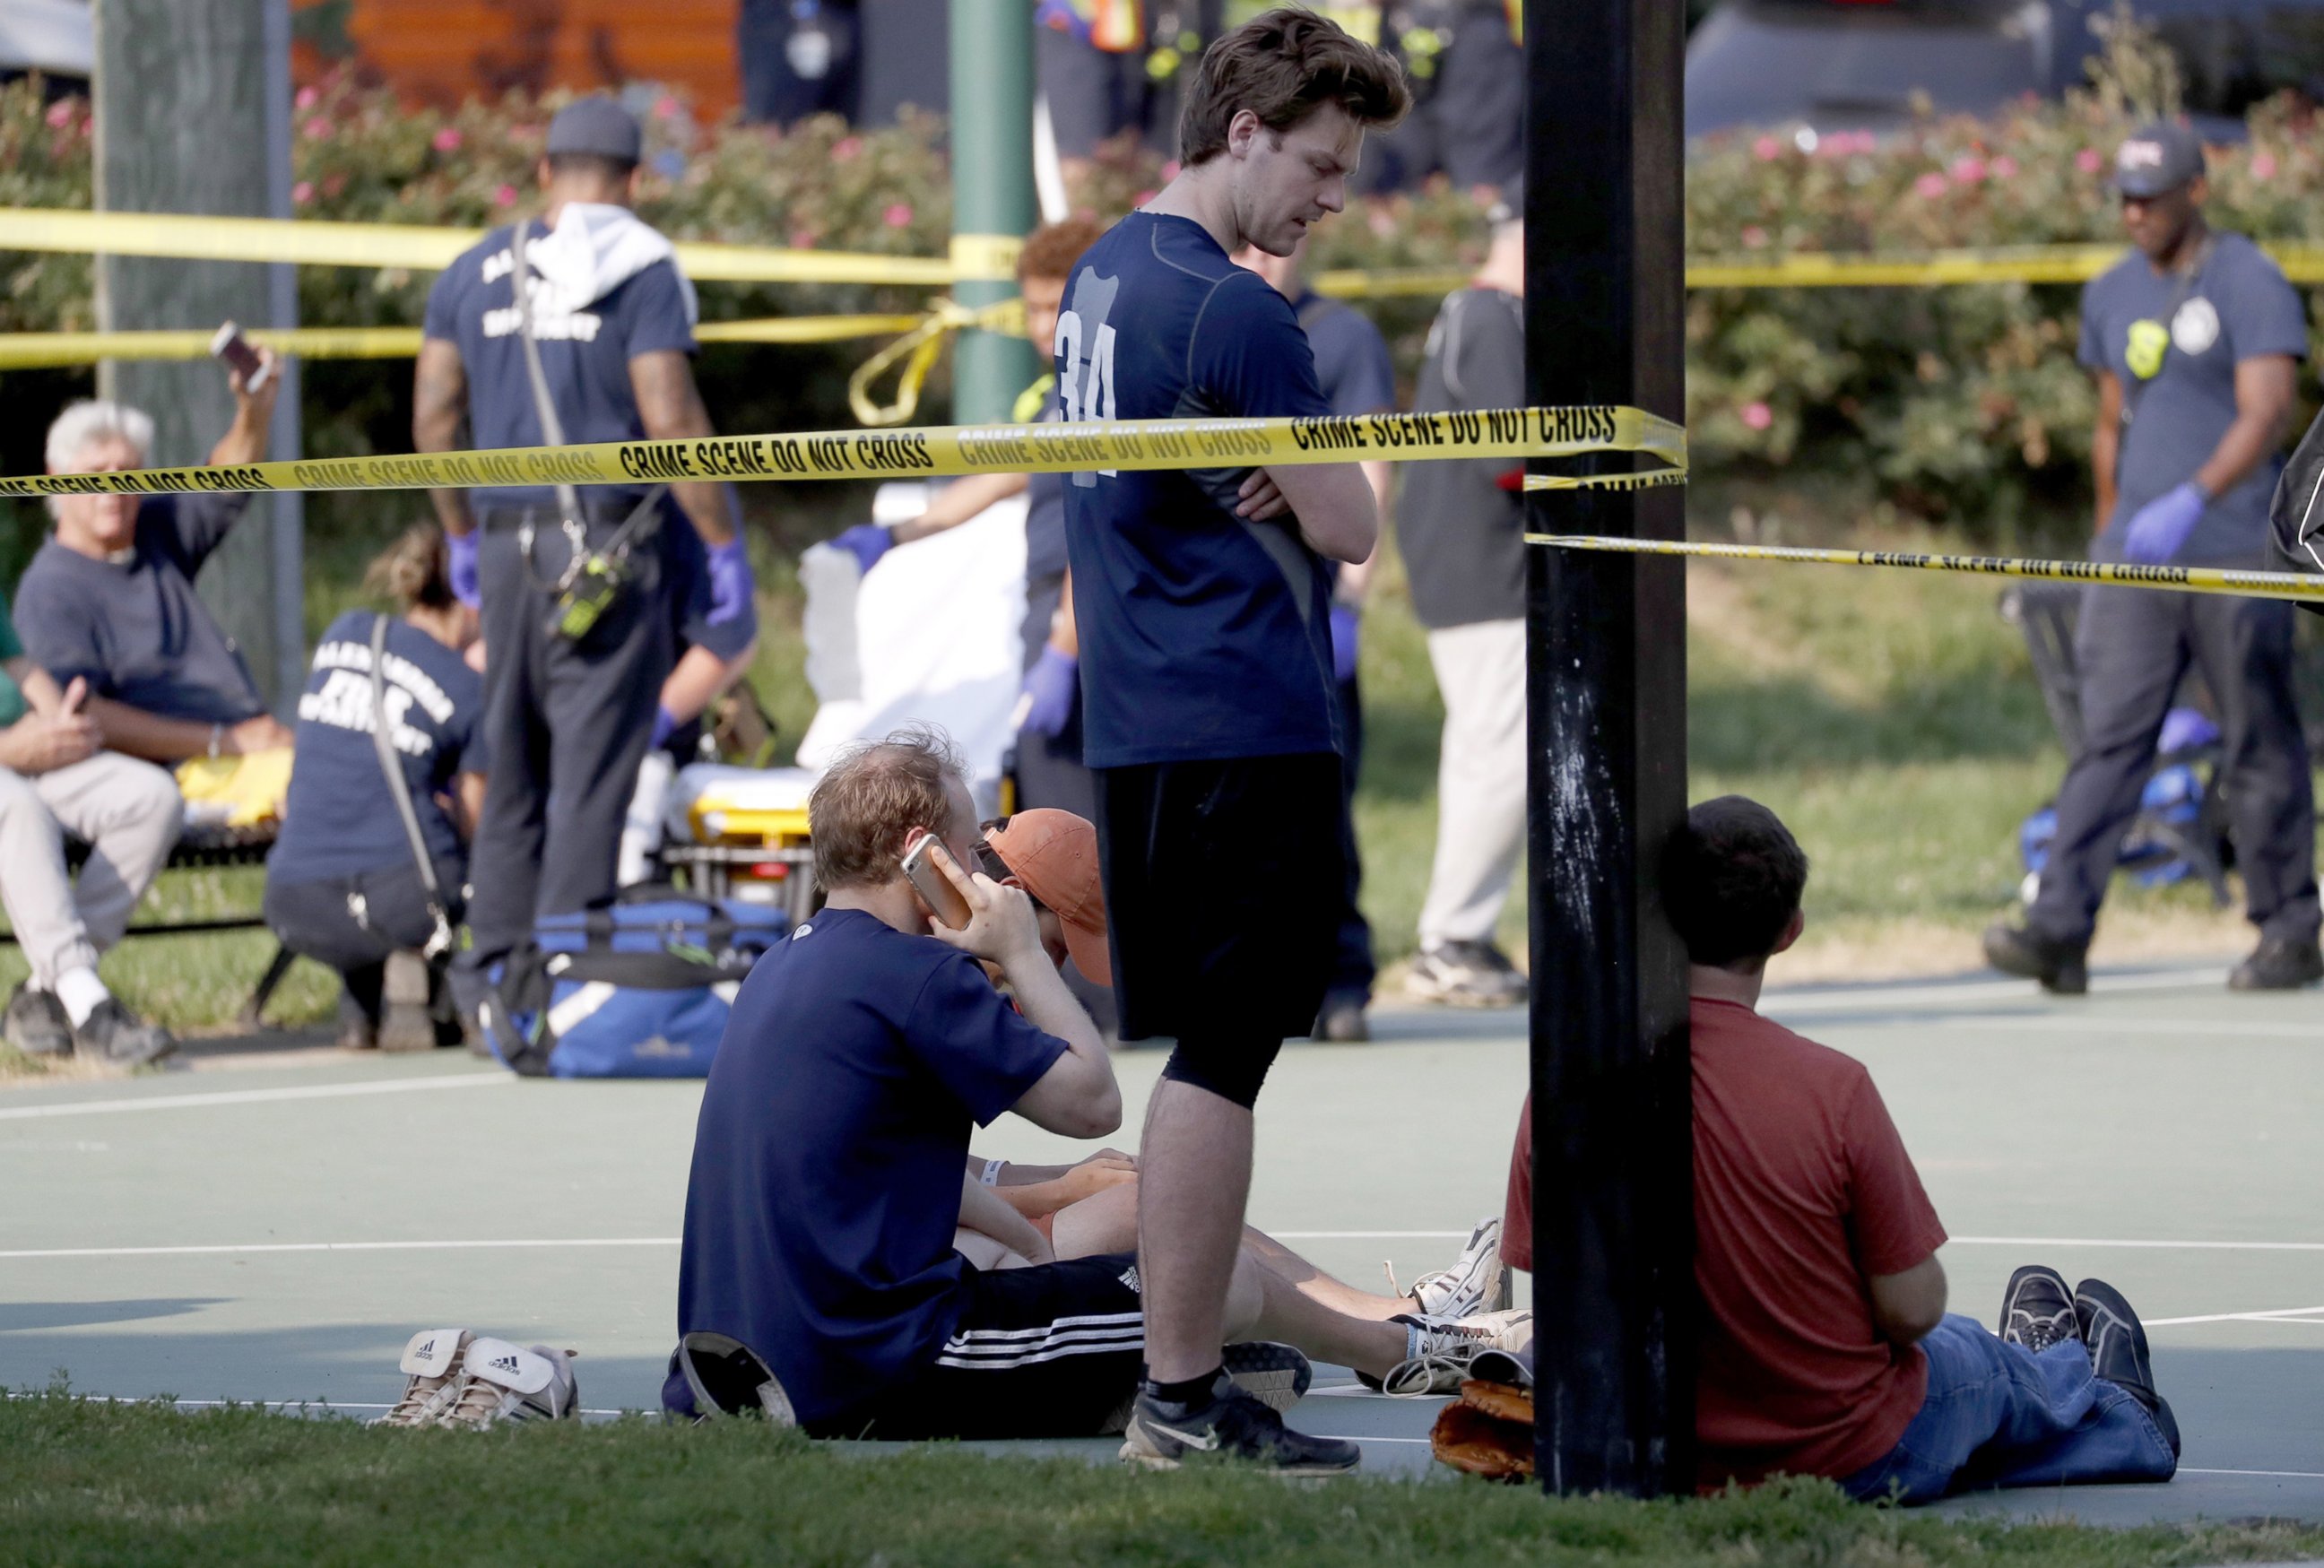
457 1377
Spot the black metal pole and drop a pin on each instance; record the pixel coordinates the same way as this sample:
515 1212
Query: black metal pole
1605 733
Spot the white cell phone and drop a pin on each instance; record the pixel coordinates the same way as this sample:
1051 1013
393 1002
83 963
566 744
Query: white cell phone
233 347
933 885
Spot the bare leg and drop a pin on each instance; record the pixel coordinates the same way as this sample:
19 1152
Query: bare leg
1105 1222
1317 1285
1263 1305
1193 1180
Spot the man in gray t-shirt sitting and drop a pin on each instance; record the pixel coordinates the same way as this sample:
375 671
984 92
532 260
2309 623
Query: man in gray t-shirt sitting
2194 339
109 598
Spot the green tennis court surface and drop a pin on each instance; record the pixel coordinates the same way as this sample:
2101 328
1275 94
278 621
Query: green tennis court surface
277 1231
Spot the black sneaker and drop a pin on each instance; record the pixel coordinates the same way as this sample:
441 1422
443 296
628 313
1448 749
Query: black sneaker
36 1023
1343 1020
2037 1310
2119 1353
1233 1426
1276 1376
112 1034
2061 967
2279 963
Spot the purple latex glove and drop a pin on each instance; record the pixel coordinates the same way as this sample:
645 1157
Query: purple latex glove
461 550
1345 620
1051 686
665 722
2159 527
730 581
867 542
2186 729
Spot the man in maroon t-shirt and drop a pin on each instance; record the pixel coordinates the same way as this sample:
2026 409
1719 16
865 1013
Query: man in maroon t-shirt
1826 1347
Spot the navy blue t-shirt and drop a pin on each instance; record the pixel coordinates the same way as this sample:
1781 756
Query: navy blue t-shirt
135 630
1203 635
2238 308
338 819
1352 364
585 356
829 1154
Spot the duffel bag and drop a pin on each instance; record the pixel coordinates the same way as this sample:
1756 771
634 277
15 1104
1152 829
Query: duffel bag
640 988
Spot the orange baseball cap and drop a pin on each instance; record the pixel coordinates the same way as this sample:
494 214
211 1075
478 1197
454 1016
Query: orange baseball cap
1054 854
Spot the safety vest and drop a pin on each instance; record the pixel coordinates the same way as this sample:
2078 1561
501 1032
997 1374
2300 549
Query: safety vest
1115 26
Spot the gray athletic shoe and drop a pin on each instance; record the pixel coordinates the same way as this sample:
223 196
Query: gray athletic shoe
1472 1285
1465 975
114 1034
431 1369
1448 1346
36 1023
500 1381
1233 1426
404 1022
1276 1376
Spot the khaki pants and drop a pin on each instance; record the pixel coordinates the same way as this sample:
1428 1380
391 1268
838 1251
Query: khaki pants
1480 778
127 811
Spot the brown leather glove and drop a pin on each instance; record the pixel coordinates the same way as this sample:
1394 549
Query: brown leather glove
1488 1432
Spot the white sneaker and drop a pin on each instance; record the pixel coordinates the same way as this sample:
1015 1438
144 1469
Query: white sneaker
1473 1283
431 1364
500 1381
1447 1346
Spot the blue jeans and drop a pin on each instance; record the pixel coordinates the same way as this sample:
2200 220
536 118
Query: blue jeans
1997 1415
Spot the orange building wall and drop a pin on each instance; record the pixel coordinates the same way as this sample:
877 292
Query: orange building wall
442 51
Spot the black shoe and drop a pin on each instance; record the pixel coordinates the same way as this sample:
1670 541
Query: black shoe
1276 1376
114 1034
2279 963
36 1023
2119 1353
2061 967
2037 1310
1343 1020
1232 1425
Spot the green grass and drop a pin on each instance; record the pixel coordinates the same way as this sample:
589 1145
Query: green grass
96 1482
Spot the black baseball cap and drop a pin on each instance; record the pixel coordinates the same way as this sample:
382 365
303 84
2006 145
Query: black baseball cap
597 128
2156 160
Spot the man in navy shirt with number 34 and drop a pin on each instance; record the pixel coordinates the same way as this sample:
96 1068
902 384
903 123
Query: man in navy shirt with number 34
1208 708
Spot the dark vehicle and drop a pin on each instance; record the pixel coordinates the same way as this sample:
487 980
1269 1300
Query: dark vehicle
1860 65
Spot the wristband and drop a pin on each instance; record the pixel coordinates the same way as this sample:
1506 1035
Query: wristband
992 1177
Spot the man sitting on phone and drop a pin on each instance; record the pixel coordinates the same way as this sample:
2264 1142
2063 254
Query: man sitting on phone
109 599
829 1160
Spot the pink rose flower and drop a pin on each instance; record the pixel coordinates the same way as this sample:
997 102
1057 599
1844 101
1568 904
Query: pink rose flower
1930 185
2262 166
2004 167
505 196
1169 172
1766 149
1758 416
665 107
2088 160
1967 170
317 128
446 140
1754 237
844 150
303 192
308 97
803 239
898 215
60 114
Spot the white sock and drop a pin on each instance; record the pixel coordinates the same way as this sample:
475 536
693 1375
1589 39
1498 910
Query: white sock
1412 1332
81 990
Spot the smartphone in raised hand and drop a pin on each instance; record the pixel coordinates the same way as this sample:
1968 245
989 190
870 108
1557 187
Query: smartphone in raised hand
929 881
233 347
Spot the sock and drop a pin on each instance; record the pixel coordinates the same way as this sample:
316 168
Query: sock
81 990
1193 1391
1411 1341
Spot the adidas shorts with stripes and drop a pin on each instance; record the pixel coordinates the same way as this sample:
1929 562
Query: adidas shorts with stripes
1053 1350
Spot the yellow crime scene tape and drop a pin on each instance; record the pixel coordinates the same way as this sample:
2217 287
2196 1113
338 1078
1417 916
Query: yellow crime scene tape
2120 574
939 451
2008 264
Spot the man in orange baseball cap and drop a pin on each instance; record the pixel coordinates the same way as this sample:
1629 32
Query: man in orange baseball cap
1052 855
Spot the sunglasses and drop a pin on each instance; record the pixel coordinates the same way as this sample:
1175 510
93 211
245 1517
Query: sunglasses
989 861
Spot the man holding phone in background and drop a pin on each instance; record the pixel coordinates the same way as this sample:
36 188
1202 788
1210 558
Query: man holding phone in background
1209 709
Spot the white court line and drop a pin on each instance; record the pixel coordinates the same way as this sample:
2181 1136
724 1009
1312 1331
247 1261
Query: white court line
1869 998
2280 1474
2165 1246
336 1247
2274 1314
1369 1235
255 1096
2046 1023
